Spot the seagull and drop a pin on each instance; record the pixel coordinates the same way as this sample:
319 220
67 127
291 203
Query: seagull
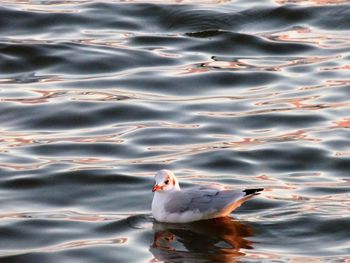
172 205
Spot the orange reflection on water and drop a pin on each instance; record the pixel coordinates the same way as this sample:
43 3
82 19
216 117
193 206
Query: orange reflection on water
44 97
345 67
243 142
265 177
332 83
311 107
116 43
344 123
93 95
179 152
296 102
70 6
307 35
262 256
24 167
89 160
224 237
180 1
312 2
342 154
15 140
252 64
84 243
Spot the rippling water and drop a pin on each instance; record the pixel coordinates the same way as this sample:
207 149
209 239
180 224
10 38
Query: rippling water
98 95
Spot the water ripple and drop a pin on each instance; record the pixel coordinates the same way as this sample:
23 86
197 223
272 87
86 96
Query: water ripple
97 95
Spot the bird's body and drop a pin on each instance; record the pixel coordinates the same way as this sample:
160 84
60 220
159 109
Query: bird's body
173 205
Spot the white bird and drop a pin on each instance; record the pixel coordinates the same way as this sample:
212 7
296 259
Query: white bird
172 205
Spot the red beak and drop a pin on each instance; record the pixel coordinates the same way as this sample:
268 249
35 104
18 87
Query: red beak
156 187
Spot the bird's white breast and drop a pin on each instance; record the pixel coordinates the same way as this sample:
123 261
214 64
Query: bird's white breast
158 206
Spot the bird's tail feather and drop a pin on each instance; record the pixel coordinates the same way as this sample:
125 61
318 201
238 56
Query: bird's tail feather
252 191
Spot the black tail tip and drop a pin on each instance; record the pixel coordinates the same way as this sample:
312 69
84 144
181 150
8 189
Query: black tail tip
252 191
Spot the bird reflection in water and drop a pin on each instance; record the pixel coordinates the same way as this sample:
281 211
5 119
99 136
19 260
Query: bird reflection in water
214 240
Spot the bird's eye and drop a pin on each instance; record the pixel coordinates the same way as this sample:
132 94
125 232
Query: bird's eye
166 182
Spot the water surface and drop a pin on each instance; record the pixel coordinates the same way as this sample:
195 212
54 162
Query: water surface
95 96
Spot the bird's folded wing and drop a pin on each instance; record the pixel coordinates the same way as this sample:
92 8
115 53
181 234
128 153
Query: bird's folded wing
202 200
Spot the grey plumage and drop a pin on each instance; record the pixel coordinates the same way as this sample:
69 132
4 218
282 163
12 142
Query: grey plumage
202 200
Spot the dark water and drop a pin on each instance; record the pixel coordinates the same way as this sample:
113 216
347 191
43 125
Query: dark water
98 95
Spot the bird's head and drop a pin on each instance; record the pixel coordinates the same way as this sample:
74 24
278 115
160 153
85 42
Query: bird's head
165 180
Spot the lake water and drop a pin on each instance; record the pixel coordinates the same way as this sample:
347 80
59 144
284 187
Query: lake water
95 96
